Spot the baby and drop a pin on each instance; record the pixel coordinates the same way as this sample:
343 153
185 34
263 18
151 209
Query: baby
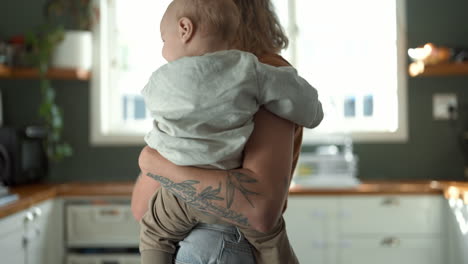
203 102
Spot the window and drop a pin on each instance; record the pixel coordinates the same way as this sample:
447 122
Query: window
128 49
353 52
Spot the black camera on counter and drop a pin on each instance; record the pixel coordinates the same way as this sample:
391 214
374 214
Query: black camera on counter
22 155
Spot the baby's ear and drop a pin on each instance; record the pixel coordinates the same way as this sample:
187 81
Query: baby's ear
186 29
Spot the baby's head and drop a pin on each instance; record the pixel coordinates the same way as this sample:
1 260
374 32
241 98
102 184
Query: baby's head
196 27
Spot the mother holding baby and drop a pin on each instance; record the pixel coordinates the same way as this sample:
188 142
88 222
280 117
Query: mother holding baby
270 156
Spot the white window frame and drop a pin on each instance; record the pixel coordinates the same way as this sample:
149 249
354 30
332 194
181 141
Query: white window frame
101 134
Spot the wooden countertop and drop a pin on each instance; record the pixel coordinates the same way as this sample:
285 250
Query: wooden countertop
36 193
33 194
376 188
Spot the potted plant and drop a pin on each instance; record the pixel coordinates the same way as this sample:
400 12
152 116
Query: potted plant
65 42
75 50
42 44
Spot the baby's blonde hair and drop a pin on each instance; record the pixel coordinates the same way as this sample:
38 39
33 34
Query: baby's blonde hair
211 17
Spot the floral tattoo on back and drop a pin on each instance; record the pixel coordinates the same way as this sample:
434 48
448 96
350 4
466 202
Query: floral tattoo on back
203 201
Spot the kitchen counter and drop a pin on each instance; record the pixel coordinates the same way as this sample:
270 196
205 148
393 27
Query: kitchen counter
447 188
35 193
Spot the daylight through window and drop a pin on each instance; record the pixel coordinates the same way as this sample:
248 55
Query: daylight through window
351 51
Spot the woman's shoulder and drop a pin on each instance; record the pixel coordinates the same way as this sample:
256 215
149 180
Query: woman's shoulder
273 59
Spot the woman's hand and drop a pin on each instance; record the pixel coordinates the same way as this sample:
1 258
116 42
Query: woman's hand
142 192
146 186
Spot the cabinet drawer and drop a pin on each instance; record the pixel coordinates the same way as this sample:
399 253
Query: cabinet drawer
307 223
392 214
101 225
309 216
103 259
390 250
11 238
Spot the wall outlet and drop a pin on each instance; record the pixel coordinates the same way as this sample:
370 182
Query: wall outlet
441 105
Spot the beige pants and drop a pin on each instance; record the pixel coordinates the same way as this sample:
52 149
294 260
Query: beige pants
169 220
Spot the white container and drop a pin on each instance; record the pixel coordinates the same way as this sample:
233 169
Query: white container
330 166
326 171
75 51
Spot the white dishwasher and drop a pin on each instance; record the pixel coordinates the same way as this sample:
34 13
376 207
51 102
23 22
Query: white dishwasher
101 230
102 259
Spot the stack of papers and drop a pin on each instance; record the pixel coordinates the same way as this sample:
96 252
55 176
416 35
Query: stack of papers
6 197
3 190
9 198
329 182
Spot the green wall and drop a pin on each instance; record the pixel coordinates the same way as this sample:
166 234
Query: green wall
432 151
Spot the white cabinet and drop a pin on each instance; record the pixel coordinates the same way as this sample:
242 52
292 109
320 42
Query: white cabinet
390 250
390 214
390 229
110 225
11 239
46 233
107 225
101 230
33 236
103 259
366 229
457 223
310 225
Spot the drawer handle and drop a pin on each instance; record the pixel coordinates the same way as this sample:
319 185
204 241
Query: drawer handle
390 242
109 212
30 236
319 244
36 212
109 215
390 201
29 217
317 214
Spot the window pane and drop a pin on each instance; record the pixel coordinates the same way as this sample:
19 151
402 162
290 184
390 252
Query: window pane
368 105
348 49
134 108
349 106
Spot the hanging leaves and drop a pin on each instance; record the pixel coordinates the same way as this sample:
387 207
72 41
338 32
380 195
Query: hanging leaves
42 44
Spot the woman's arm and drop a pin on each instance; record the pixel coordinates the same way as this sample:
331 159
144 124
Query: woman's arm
251 196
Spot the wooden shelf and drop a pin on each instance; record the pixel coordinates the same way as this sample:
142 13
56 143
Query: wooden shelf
442 69
54 73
